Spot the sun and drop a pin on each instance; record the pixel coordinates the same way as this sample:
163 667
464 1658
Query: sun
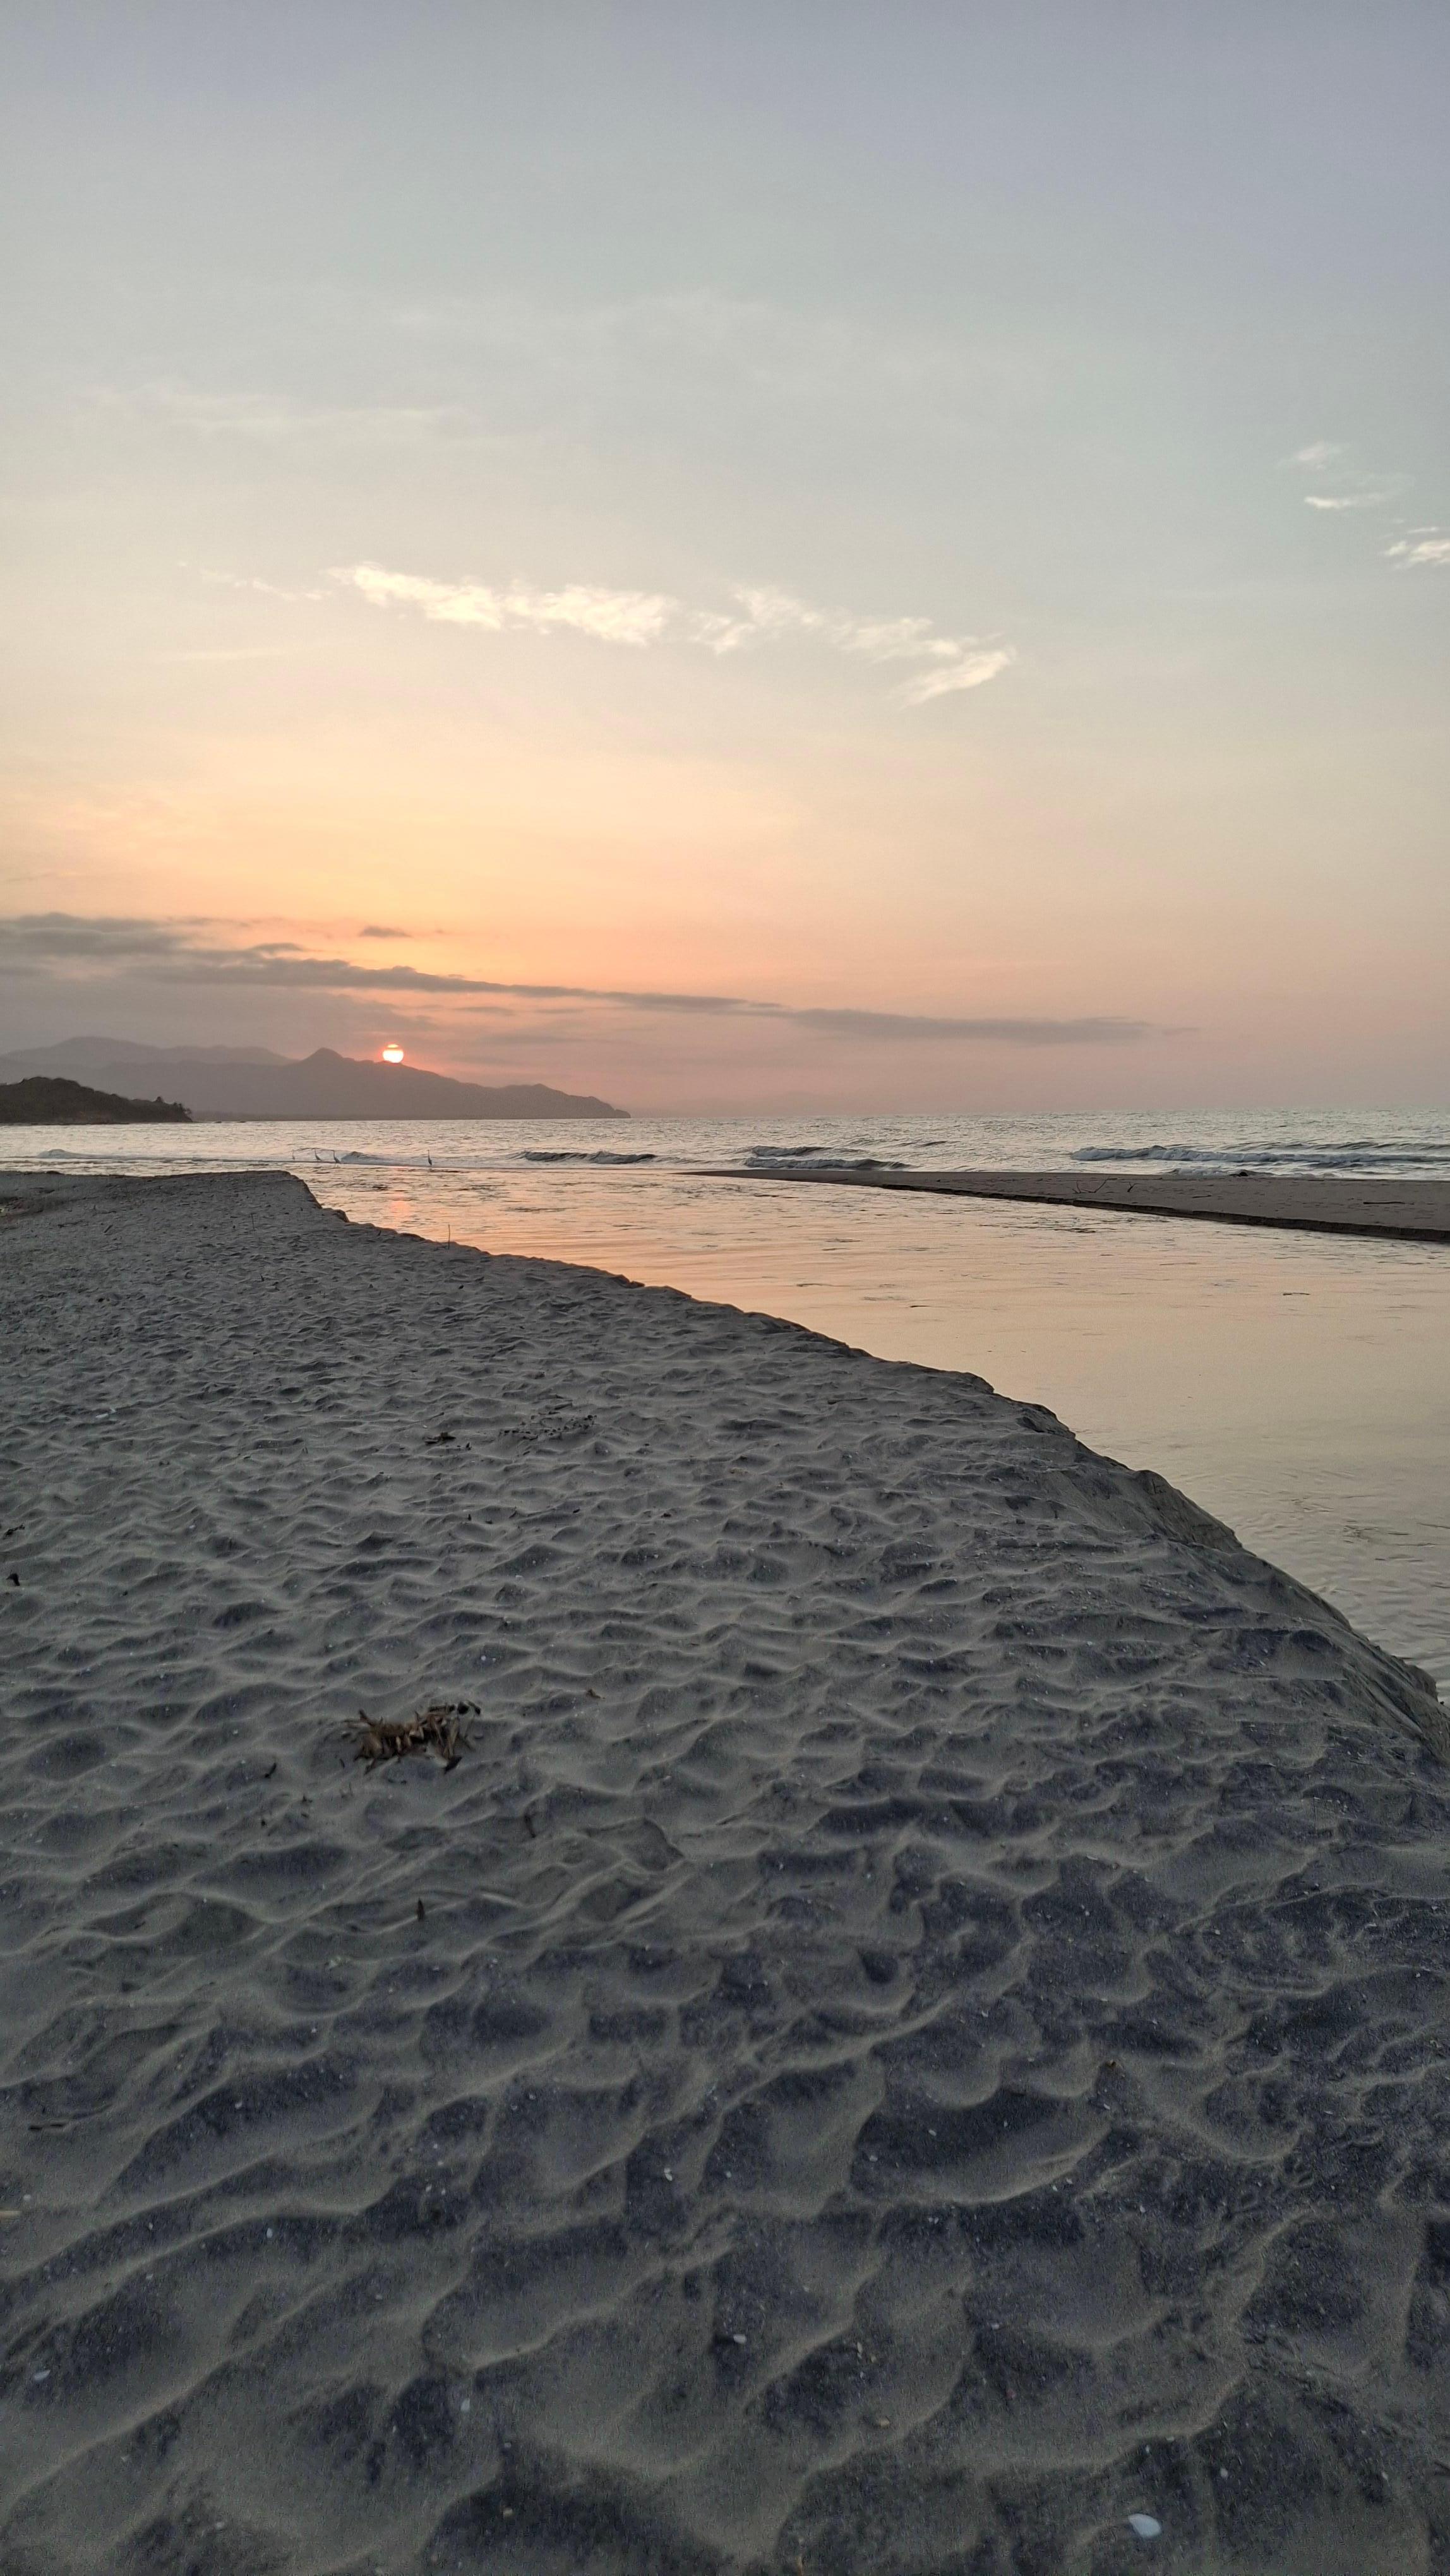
392 1054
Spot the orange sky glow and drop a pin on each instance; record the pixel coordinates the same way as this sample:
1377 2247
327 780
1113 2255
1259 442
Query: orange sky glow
959 625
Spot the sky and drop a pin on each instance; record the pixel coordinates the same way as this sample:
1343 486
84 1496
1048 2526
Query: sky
738 557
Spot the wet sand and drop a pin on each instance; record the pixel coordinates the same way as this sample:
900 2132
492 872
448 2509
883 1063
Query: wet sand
916 2032
1409 1211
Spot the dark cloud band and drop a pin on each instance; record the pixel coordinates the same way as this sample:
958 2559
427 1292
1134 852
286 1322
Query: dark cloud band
73 948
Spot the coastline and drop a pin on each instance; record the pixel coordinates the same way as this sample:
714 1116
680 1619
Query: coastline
1409 1211
913 2028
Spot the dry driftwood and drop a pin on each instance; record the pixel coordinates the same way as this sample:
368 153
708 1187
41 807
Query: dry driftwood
439 1730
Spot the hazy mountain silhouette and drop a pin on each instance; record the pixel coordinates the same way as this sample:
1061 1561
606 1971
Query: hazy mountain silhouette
249 1082
86 1055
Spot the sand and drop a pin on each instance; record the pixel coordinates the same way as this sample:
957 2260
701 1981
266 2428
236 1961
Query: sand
1409 1211
915 2033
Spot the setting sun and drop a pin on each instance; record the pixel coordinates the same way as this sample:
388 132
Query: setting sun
392 1055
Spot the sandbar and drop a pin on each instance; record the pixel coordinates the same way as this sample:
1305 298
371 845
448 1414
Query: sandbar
1409 1210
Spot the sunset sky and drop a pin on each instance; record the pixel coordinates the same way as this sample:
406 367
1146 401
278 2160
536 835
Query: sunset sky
781 554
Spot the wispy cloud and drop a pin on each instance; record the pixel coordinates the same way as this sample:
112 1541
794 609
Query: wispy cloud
276 419
757 615
533 369
959 662
1344 485
1421 546
249 581
612 616
970 670
79 952
703 344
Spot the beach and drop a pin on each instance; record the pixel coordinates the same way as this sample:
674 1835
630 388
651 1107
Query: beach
913 2033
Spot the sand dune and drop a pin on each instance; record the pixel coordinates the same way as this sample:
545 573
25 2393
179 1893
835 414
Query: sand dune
916 2032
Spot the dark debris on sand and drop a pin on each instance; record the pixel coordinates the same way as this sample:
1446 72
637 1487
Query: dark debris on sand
439 1730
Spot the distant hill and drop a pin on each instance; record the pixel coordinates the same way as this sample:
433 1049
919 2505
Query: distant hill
48 1100
90 1055
247 1082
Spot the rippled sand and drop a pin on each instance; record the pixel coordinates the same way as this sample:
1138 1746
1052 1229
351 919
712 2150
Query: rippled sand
916 2032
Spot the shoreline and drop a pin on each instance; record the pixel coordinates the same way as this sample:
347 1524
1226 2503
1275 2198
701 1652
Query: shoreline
915 2024
1412 1211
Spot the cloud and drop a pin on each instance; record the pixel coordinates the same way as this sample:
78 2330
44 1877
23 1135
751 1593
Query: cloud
762 612
540 371
1349 487
275 419
80 952
875 1025
1421 546
971 671
612 616
72 936
249 581
577 362
759 615
771 613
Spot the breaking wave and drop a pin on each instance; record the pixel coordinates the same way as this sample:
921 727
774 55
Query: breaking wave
762 1157
1347 1154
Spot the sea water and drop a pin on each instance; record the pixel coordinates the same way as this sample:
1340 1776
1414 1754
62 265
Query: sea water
1297 1385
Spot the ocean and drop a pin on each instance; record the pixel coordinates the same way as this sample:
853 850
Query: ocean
1297 1385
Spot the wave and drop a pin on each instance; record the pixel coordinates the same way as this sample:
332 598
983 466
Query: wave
1350 1154
538 1154
781 1153
762 1157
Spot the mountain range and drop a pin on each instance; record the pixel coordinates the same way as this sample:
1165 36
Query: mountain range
251 1082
